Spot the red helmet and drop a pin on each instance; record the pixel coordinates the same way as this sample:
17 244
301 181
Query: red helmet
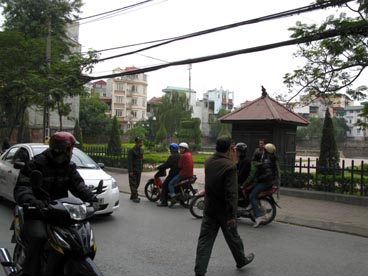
62 141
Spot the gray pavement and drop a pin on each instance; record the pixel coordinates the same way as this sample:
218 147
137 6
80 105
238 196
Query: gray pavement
297 210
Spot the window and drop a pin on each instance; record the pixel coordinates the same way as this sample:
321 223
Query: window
119 99
134 101
118 112
119 86
134 114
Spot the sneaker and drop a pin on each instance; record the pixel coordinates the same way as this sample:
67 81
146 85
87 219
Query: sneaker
249 207
162 204
258 222
136 200
173 201
248 259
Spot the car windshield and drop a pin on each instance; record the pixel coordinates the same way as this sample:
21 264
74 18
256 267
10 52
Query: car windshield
81 159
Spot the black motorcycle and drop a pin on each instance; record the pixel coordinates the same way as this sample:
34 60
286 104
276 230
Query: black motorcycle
70 247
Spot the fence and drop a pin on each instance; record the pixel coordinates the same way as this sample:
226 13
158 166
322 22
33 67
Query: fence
344 179
101 155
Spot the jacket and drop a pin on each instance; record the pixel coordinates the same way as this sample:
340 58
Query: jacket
221 185
186 165
244 168
58 179
171 163
268 172
135 160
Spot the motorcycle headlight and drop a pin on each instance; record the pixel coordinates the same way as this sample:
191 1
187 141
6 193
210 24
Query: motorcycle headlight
76 212
114 184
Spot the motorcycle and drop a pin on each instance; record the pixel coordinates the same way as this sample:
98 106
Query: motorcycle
70 247
266 203
184 189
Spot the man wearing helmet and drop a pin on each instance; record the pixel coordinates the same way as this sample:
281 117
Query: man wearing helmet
186 167
267 175
243 164
172 164
60 175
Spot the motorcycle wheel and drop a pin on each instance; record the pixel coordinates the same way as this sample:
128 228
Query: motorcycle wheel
18 256
151 191
269 210
197 206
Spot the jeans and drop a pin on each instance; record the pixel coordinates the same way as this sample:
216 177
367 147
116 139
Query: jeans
258 188
176 179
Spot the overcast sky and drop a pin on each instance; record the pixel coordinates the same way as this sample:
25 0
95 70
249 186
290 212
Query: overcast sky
242 74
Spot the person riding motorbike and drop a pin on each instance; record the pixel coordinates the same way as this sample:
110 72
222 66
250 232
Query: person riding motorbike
172 164
267 175
243 165
60 175
186 169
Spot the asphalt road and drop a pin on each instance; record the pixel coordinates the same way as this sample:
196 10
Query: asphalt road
142 239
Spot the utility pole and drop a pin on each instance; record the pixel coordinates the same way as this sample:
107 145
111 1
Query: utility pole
46 115
190 82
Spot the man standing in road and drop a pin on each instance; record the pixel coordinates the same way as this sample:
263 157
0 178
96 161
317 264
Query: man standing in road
220 209
135 167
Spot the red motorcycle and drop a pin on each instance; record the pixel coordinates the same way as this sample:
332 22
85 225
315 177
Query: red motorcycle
184 189
266 203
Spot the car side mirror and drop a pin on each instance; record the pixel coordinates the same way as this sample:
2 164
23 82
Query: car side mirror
18 165
101 165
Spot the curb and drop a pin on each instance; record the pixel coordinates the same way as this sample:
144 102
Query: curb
321 225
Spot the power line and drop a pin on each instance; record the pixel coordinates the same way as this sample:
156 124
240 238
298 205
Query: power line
279 15
361 28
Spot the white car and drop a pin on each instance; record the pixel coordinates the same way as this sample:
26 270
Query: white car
91 172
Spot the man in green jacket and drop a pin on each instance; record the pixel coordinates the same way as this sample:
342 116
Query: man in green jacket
135 167
220 210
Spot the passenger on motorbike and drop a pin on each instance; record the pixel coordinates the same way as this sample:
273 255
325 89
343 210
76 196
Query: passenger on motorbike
172 164
243 165
186 167
59 176
267 175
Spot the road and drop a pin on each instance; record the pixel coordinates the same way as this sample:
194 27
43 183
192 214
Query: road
142 239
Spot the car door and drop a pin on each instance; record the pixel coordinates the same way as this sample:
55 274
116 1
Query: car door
7 173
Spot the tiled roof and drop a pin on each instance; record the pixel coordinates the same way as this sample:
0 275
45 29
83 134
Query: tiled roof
264 109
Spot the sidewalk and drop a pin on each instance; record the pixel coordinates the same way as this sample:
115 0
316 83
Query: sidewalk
321 214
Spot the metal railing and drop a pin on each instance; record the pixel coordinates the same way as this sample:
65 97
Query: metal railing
351 179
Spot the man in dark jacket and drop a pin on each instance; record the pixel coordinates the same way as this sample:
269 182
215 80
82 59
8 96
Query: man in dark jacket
172 164
59 176
135 168
220 208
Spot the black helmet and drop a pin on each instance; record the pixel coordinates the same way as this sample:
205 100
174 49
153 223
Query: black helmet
60 145
241 146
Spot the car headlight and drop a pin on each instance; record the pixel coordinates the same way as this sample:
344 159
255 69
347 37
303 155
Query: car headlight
76 212
114 184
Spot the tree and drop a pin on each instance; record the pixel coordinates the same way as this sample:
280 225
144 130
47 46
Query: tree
216 127
329 155
78 135
114 146
191 133
35 20
174 109
93 119
332 65
136 131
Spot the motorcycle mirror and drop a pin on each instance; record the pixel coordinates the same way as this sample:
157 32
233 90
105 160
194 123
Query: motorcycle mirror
99 187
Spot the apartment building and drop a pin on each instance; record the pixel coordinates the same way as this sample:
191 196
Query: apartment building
128 97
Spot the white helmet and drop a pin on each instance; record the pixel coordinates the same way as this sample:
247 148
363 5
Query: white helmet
270 148
183 145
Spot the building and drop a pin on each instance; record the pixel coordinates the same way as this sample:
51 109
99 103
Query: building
351 117
128 97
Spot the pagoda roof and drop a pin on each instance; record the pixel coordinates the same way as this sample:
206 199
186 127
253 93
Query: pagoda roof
263 109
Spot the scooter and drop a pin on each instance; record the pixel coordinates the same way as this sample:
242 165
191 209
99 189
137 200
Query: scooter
184 189
266 203
70 247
